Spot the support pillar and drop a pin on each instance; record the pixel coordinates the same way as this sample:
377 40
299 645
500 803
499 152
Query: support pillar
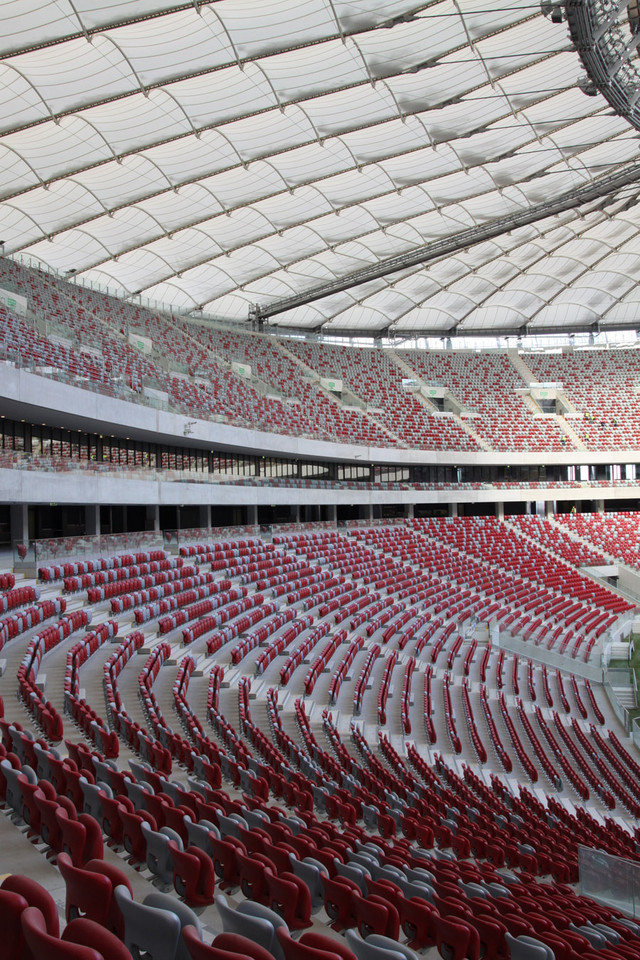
332 513
500 510
92 520
599 506
153 517
204 518
19 523
549 508
453 509
366 511
252 514
409 511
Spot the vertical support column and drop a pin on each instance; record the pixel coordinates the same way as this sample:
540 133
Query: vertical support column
19 523
500 510
204 518
599 506
153 517
453 509
92 520
366 511
295 513
332 513
252 514
409 511
549 508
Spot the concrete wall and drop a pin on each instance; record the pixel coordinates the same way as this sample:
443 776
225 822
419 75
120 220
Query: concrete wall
40 399
78 486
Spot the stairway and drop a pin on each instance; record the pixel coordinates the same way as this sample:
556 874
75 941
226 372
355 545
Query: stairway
518 363
348 399
568 430
466 426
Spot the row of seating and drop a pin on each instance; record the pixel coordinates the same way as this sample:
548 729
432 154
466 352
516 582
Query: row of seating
341 754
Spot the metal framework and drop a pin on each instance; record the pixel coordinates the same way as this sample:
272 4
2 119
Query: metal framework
461 241
606 35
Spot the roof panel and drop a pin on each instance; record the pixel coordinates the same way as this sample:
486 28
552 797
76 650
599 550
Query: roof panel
232 153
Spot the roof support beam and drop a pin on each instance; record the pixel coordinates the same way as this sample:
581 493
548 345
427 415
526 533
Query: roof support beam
460 241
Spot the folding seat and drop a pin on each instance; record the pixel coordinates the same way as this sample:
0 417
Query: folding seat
159 858
87 893
456 939
377 947
492 937
43 757
302 844
43 946
174 818
193 875
225 861
49 827
338 901
86 933
81 838
289 896
417 921
313 946
225 946
156 804
310 873
72 785
255 839
250 921
199 834
528 948
354 872
518 925
14 778
57 774
148 929
376 915
116 877
111 822
253 869
133 839
139 793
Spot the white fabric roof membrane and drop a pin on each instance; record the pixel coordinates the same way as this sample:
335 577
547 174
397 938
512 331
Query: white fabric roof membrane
210 156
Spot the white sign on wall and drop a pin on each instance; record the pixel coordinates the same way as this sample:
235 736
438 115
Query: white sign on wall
242 369
143 344
13 302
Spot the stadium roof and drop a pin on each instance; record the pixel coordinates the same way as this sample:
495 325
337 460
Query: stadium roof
213 156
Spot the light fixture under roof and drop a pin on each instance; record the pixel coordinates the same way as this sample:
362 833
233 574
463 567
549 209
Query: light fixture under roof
607 37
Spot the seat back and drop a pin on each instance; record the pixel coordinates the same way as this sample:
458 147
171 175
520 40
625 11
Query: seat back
295 950
148 931
256 927
36 896
44 946
366 950
184 913
11 907
88 894
90 934
525 948
159 857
